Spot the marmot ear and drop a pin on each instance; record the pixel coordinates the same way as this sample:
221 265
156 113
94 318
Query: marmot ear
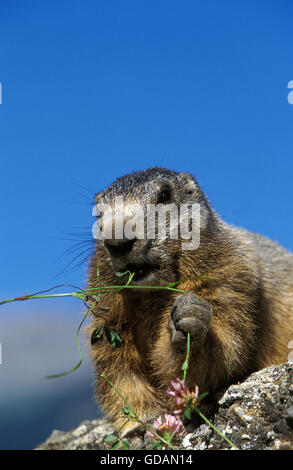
190 185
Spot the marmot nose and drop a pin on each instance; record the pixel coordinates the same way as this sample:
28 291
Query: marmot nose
119 248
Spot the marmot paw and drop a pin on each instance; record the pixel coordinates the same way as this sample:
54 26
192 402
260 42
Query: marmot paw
189 314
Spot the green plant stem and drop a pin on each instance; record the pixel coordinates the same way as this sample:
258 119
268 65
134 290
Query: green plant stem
158 437
215 429
131 287
31 297
194 407
63 374
103 375
79 294
186 362
135 417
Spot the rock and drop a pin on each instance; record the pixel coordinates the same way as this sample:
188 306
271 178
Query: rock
256 414
89 435
289 416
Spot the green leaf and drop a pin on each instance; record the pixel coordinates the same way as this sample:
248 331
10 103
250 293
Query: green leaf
113 337
125 445
128 412
109 334
185 365
118 274
130 276
187 413
154 445
115 446
97 335
202 395
110 438
172 284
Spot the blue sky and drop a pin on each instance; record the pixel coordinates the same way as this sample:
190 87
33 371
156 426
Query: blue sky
92 90
95 89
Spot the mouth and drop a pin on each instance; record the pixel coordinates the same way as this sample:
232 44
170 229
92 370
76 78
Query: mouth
141 271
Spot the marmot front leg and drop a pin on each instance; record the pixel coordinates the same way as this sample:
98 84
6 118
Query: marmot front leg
189 314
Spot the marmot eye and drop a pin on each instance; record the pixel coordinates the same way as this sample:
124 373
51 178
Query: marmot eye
164 196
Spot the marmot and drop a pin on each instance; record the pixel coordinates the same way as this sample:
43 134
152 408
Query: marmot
239 314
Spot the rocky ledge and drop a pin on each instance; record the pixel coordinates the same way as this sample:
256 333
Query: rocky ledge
256 414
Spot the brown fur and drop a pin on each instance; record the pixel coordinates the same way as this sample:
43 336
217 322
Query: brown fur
252 307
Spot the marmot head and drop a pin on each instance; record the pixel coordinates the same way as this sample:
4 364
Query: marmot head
140 220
